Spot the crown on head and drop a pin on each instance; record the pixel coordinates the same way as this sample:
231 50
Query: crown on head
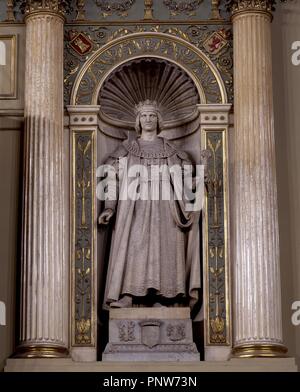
146 105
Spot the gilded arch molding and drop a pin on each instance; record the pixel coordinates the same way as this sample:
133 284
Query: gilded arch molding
198 66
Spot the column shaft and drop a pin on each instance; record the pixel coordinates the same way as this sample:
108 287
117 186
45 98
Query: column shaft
257 295
44 318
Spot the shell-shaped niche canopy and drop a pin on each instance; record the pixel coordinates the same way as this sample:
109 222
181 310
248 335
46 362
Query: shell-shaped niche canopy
154 79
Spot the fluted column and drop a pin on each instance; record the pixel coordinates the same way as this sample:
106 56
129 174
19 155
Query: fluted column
44 302
257 293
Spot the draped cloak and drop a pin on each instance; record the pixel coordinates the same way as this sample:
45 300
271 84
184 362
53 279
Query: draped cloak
155 243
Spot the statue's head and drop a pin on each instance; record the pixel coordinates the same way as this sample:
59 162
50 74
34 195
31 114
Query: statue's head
148 112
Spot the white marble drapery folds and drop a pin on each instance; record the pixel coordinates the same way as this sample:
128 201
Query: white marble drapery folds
155 243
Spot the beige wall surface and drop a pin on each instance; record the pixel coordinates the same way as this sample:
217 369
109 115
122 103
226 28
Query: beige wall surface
9 226
11 113
286 80
14 104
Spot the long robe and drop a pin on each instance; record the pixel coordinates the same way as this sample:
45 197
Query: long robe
155 243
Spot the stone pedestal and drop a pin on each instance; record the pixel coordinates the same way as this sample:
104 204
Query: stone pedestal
150 334
234 365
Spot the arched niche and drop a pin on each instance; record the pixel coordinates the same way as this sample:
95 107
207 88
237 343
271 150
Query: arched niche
178 98
97 128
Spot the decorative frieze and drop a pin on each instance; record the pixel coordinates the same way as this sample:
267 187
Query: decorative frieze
86 89
214 134
83 126
215 41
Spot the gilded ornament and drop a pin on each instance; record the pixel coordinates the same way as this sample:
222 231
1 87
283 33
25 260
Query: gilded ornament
260 351
150 43
195 34
10 15
80 42
148 12
215 10
83 237
215 43
80 11
34 351
83 327
177 33
217 325
217 317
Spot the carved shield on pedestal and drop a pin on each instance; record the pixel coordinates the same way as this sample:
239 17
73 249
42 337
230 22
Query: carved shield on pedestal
150 333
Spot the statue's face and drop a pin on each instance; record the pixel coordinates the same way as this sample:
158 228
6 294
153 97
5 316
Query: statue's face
149 120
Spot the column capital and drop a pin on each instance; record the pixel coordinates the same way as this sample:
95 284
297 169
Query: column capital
242 6
59 7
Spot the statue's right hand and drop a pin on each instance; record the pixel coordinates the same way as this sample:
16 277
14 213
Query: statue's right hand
105 216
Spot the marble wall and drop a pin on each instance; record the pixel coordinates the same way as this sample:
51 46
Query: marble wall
10 152
286 84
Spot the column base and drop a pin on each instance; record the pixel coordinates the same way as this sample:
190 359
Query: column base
259 351
41 351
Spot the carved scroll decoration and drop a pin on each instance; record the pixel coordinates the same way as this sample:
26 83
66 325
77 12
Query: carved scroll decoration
183 7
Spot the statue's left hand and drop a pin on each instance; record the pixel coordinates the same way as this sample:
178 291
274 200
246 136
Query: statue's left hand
105 216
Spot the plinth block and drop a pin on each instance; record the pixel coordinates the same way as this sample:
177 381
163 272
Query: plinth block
150 334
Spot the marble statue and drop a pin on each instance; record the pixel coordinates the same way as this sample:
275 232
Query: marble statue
155 254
